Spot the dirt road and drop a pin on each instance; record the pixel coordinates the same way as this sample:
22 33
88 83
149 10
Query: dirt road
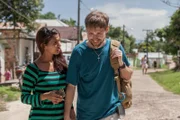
152 102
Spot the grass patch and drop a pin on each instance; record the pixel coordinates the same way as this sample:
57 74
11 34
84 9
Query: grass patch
169 80
164 66
9 93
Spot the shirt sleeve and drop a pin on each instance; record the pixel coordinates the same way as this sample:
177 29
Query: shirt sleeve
125 60
30 77
73 68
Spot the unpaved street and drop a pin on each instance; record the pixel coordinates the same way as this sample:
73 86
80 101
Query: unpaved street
150 102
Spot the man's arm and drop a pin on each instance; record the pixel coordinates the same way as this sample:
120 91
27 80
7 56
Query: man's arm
70 91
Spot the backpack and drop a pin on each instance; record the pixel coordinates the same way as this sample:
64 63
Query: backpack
124 86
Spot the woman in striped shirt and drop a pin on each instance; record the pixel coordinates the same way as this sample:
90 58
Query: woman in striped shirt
44 76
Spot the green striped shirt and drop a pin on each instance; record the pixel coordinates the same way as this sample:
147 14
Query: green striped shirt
36 82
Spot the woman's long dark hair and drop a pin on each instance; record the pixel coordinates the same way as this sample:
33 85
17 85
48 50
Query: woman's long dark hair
44 35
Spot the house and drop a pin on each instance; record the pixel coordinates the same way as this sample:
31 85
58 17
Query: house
11 38
18 47
152 56
51 22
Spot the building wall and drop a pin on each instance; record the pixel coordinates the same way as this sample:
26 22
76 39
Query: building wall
68 46
152 56
25 51
2 62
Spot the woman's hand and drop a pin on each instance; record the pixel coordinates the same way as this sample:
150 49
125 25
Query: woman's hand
52 96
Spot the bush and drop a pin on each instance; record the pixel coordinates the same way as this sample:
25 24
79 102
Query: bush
9 93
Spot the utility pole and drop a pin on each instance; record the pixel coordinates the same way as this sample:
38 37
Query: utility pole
123 40
78 24
147 41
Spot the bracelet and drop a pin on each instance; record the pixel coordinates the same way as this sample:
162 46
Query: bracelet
122 66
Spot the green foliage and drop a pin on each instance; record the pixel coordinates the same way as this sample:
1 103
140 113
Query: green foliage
116 33
175 27
23 11
170 35
48 15
70 22
9 93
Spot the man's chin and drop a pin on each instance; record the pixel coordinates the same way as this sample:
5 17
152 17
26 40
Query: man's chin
96 45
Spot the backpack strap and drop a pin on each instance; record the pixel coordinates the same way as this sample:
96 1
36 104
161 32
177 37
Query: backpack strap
115 64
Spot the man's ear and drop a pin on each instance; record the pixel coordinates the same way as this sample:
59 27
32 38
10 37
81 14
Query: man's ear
107 29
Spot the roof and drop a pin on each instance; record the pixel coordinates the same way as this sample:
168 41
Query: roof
9 25
51 22
67 32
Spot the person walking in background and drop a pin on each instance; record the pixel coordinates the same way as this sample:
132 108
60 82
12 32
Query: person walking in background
45 78
144 64
7 75
90 70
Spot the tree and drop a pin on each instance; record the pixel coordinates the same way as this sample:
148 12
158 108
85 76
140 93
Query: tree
132 43
23 11
152 45
48 15
114 32
117 34
175 27
168 44
70 22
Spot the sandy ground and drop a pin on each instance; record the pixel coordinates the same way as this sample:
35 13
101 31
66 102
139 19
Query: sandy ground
150 102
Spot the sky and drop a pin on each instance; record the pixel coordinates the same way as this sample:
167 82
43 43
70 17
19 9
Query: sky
136 15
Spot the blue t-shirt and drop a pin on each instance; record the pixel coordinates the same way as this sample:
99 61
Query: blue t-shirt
97 90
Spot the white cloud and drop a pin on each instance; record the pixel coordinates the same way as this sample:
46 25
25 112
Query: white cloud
137 18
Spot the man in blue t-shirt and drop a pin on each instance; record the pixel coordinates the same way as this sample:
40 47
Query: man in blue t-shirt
90 70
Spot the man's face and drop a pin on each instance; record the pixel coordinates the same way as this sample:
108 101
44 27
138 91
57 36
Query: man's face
96 35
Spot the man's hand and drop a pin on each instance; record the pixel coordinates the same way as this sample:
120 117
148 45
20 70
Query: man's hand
116 53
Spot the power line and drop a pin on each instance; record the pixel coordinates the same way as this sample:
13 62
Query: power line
15 10
167 2
85 5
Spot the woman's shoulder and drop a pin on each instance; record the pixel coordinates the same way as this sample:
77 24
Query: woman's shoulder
32 66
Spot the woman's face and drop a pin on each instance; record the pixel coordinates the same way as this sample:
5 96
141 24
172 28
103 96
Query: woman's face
53 46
